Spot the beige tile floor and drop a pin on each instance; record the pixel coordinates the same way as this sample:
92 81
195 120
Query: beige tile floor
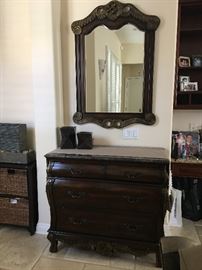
20 251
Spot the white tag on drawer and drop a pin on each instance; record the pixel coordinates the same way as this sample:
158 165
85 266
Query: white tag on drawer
14 201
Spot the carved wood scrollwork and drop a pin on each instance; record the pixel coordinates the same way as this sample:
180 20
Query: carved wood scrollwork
80 118
113 11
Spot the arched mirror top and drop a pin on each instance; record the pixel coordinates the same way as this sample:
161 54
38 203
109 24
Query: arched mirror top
114 89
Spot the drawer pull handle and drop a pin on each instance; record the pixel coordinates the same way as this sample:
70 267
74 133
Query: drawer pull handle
75 195
131 228
75 172
131 199
132 176
75 221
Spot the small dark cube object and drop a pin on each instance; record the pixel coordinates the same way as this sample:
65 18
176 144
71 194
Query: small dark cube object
197 60
68 135
85 140
13 137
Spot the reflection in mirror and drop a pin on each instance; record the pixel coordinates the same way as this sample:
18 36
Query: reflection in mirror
114 62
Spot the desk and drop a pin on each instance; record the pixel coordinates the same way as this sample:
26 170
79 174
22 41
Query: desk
186 168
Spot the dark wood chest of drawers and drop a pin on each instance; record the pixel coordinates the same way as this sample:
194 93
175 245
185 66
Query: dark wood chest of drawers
18 195
116 195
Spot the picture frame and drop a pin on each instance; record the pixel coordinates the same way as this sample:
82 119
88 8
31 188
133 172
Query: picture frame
182 81
184 61
191 86
185 144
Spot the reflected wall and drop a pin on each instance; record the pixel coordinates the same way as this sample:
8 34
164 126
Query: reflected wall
114 63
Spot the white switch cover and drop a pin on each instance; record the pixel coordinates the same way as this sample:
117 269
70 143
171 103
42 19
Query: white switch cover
131 133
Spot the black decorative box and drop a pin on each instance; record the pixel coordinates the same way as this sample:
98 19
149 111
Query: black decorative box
68 137
13 137
196 60
85 140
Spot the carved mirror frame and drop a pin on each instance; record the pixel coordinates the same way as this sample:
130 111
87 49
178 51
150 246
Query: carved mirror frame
115 15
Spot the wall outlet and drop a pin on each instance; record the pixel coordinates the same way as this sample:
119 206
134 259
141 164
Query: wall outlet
131 133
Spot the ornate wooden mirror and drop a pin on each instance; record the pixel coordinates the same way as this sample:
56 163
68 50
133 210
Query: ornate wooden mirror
114 66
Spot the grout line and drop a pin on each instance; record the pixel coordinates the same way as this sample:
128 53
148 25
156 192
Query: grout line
56 259
34 264
110 267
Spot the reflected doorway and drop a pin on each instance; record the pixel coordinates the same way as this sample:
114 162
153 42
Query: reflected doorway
133 94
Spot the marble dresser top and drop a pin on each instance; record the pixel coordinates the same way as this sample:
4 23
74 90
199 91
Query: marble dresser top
140 154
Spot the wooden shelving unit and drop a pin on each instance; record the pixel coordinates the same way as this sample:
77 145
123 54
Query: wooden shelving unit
189 43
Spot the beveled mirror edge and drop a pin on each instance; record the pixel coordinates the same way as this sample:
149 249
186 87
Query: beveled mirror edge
114 17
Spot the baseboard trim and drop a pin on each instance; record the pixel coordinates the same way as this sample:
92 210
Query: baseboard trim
42 228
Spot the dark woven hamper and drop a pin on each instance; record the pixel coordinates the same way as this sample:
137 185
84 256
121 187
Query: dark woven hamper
13 181
14 211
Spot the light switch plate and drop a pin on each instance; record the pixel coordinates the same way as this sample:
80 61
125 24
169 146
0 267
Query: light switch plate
131 133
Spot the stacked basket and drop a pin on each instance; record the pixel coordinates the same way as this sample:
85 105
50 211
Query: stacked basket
14 205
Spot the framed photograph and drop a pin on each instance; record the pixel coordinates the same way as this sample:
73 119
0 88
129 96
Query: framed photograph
184 61
185 144
182 81
190 86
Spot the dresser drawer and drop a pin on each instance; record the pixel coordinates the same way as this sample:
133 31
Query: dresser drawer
73 169
13 181
107 196
136 173
134 227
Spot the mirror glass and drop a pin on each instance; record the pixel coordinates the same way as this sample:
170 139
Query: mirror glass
114 68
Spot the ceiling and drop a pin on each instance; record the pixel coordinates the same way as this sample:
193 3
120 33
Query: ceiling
130 34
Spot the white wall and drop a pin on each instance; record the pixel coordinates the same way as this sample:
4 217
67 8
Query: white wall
30 86
159 134
187 120
16 96
30 77
46 89
132 53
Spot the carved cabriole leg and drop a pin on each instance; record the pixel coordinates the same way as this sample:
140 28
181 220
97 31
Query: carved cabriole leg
54 243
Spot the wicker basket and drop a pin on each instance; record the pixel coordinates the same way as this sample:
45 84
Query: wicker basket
13 181
14 211
13 137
